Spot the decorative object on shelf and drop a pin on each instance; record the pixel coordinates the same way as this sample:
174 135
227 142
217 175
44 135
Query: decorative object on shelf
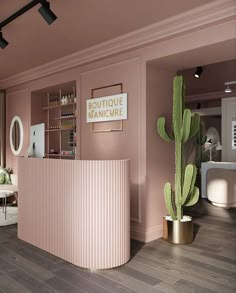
64 116
178 229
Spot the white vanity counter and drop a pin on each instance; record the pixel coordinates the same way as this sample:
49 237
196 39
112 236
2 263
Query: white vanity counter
221 188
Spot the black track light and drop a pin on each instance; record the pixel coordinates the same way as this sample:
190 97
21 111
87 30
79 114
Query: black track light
44 10
3 42
47 13
198 72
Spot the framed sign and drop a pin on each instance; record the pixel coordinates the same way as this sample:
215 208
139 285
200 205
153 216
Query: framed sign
108 93
109 108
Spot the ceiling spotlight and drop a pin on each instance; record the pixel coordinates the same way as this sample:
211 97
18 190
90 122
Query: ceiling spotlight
198 72
3 42
228 89
47 13
227 84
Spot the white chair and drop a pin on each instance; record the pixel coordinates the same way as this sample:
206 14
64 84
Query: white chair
7 190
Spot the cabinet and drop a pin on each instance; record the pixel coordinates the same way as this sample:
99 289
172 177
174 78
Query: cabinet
58 112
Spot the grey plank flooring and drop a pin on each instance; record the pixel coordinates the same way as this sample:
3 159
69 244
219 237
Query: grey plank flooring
206 265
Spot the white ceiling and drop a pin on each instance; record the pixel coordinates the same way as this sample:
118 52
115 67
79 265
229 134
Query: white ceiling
80 24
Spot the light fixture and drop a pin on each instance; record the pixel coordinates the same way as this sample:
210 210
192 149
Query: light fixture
44 10
47 13
198 72
3 42
227 84
228 89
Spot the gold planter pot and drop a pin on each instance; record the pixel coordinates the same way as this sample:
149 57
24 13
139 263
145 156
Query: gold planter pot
178 232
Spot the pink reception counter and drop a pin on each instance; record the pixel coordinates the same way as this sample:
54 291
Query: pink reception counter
76 210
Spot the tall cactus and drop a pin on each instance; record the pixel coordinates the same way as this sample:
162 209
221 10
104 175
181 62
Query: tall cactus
185 125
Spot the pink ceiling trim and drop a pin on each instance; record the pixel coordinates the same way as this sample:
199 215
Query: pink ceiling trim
192 20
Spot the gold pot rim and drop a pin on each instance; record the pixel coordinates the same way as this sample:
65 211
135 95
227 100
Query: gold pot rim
191 219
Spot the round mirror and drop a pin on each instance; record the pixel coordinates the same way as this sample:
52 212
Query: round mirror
16 135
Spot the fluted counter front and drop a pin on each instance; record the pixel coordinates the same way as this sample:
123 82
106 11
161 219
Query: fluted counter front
76 210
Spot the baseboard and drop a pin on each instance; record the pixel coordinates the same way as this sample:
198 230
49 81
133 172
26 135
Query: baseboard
146 235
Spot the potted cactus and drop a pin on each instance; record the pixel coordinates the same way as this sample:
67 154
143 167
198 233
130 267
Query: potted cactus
178 228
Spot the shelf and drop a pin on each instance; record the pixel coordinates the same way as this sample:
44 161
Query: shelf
58 110
65 118
65 129
60 129
61 155
58 106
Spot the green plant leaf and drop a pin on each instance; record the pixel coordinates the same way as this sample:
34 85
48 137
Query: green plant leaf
193 178
161 129
185 129
168 200
195 122
188 176
178 87
193 198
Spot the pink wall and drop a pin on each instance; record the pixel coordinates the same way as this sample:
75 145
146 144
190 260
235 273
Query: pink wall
18 103
117 144
160 154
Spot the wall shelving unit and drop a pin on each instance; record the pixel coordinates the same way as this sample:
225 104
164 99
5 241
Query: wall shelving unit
58 112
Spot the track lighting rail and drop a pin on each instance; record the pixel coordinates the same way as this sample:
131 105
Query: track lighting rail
19 12
44 10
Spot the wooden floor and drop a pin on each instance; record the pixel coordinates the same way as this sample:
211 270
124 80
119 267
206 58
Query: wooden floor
206 265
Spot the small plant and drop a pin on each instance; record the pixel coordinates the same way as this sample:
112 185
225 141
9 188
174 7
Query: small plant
185 125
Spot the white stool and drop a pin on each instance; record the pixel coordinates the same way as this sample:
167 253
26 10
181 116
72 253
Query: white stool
5 194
